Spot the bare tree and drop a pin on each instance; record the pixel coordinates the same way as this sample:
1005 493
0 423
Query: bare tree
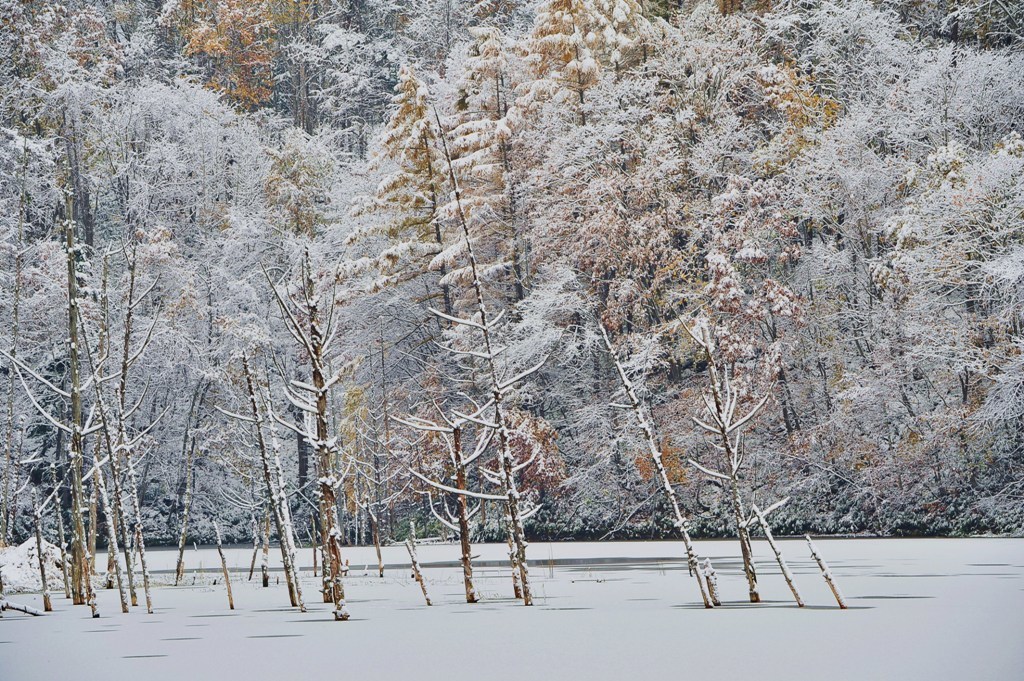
76 428
273 478
654 451
726 428
314 337
450 431
826 573
500 385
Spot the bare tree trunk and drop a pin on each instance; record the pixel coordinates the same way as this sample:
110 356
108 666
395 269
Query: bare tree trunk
81 581
276 493
179 571
255 544
654 451
265 561
778 555
312 542
286 531
99 485
712 579
93 506
513 557
60 533
463 506
28 610
826 573
224 566
375 531
410 545
140 540
744 536
47 605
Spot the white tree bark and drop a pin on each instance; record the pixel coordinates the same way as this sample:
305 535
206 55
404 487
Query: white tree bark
826 573
778 555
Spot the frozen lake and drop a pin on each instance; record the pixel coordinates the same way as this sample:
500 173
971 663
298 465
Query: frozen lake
919 609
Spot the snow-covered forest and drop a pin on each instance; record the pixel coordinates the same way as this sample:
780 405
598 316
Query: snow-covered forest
309 271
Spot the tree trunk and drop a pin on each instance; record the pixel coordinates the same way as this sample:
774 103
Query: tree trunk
224 566
81 559
410 545
712 579
778 555
744 536
60 533
276 493
47 605
467 561
826 573
179 571
375 530
654 451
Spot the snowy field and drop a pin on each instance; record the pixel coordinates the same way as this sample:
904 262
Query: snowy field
930 609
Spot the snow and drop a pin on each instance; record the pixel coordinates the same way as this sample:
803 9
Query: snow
20 567
919 609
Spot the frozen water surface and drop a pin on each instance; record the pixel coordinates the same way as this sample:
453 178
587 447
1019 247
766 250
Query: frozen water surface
930 609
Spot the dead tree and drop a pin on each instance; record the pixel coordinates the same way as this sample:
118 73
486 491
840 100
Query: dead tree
224 566
27 609
61 537
124 444
315 337
712 579
826 573
762 519
654 451
47 605
7 508
450 432
500 386
76 428
725 429
179 570
410 545
273 478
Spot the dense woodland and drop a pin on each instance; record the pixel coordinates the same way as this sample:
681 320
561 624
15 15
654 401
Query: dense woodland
559 269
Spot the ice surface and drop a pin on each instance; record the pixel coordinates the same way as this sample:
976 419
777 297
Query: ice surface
930 609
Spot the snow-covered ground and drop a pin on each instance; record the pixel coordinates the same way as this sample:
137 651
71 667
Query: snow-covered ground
930 609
